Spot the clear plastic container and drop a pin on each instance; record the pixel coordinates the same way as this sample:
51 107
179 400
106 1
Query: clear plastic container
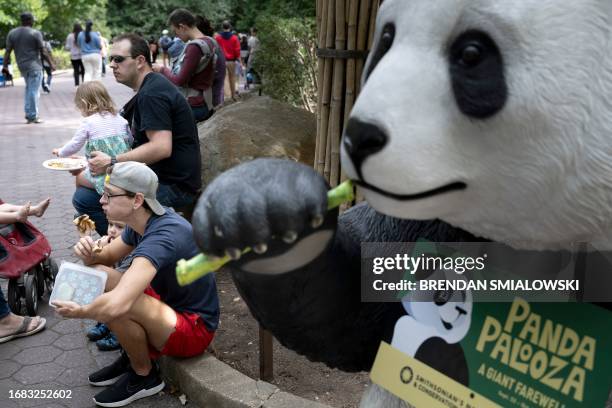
77 283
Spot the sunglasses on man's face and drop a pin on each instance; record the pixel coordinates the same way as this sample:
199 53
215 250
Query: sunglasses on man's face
118 58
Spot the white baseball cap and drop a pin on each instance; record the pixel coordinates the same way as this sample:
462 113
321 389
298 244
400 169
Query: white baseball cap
137 177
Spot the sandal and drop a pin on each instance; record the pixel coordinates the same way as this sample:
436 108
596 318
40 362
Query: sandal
22 330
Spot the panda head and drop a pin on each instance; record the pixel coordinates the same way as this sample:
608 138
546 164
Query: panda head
448 312
493 116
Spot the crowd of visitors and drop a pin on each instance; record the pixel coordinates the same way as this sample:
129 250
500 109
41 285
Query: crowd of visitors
142 175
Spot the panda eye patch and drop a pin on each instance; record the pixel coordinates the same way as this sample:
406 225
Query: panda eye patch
477 74
384 44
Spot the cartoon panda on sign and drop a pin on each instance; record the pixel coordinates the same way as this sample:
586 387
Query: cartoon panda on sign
477 120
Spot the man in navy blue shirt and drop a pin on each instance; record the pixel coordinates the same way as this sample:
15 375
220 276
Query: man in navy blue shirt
145 307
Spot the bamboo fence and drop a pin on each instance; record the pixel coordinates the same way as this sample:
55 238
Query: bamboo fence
345 34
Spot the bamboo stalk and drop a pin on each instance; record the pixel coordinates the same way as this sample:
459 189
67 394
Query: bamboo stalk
326 86
362 37
351 41
346 10
373 13
336 102
322 27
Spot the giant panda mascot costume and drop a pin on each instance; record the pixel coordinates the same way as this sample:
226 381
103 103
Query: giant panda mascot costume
477 120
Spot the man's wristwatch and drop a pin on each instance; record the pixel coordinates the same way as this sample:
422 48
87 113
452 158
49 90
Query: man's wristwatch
113 160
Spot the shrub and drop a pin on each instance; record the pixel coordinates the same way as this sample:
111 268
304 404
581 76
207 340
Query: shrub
286 60
62 58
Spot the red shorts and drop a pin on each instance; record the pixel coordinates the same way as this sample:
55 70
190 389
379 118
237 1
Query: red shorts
190 337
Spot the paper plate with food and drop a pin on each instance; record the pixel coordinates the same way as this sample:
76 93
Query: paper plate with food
65 163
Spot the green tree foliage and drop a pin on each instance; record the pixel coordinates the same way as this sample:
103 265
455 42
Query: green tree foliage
246 12
53 17
286 60
151 17
10 11
62 14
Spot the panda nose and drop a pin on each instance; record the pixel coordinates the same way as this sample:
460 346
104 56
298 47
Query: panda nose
361 140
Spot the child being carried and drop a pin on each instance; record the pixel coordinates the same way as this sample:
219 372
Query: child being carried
102 129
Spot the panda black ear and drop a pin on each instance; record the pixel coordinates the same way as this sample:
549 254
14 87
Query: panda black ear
383 45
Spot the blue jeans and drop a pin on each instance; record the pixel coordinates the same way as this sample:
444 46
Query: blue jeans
4 309
33 79
200 113
87 201
170 196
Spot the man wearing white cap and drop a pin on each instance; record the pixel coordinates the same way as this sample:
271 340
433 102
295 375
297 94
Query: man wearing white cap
145 307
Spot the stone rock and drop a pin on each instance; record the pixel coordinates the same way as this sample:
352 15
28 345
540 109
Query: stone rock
257 127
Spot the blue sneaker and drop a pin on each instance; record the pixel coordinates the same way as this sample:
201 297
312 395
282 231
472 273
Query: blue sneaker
108 343
97 332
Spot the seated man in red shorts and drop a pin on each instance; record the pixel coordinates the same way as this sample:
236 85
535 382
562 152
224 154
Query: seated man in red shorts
145 307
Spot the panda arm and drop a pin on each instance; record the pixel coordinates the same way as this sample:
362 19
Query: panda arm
316 310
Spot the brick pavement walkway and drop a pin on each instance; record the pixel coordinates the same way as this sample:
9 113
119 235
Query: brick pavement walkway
60 357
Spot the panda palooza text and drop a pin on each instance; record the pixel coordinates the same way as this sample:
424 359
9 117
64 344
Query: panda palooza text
548 352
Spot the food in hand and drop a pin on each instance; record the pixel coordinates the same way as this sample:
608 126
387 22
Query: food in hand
97 247
84 225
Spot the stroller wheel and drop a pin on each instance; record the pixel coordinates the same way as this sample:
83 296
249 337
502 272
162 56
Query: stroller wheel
31 293
40 280
13 298
50 271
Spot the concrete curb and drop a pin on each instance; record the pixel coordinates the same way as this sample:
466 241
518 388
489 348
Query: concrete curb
208 382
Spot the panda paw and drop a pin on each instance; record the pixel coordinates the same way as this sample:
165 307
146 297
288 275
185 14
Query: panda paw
269 205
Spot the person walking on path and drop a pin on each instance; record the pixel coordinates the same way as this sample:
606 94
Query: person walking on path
196 64
148 311
103 52
164 43
164 131
244 51
46 85
91 48
228 41
28 46
75 53
154 48
253 43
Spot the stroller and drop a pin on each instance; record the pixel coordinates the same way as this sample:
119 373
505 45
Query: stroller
6 76
25 261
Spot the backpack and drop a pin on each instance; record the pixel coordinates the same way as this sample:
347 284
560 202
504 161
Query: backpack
165 42
208 46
